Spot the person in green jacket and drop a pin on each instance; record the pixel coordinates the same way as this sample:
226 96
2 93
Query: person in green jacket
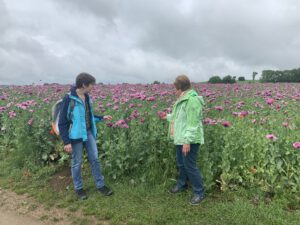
186 130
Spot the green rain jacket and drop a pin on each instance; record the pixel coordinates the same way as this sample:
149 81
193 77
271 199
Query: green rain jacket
186 119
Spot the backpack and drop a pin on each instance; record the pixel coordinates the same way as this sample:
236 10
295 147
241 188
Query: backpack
55 113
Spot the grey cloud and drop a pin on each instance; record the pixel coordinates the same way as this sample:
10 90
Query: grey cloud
141 41
100 8
4 18
252 34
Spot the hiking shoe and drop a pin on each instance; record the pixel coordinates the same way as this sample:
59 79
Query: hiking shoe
177 189
196 199
105 191
81 195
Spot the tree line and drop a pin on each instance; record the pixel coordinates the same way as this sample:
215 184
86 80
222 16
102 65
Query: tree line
281 76
273 76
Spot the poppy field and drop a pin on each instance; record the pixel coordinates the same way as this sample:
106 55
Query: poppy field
252 133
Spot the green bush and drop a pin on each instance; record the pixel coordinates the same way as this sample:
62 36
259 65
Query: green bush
215 80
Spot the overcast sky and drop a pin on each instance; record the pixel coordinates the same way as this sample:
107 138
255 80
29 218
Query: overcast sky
141 41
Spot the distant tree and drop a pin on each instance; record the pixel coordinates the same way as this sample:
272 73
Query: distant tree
156 82
228 80
280 76
254 75
241 78
215 80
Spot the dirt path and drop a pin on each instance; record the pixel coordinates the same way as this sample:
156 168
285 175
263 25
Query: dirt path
12 218
23 210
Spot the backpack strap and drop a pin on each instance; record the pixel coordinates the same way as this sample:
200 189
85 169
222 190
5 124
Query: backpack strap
72 106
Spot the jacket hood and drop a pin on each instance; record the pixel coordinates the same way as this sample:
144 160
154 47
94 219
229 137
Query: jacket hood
192 93
74 93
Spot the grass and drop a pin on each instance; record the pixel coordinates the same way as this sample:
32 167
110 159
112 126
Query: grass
141 204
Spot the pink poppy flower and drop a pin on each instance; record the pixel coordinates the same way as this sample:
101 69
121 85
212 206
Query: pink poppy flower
226 123
110 124
12 114
270 101
219 108
271 137
125 126
161 114
30 122
2 109
120 122
296 145
151 99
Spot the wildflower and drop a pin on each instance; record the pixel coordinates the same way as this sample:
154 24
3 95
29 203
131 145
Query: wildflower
12 114
110 124
270 101
150 99
271 137
209 121
30 122
124 126
120 122
219 108
226 123
296 145
2 109
161 114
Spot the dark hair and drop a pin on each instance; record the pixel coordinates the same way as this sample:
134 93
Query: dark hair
182 83
84 79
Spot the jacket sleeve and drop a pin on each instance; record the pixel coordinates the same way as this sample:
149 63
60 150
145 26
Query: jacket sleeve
193 113
63 122
98 118
170 117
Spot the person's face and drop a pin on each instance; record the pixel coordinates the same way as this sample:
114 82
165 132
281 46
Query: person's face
178 92
88 89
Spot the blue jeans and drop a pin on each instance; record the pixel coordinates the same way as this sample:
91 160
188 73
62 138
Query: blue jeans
92 151
188 169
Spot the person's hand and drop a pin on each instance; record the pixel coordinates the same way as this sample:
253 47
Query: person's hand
186 149
164 117
68 148
107 117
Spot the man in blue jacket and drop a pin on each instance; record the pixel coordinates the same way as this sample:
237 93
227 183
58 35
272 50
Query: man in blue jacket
77 127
